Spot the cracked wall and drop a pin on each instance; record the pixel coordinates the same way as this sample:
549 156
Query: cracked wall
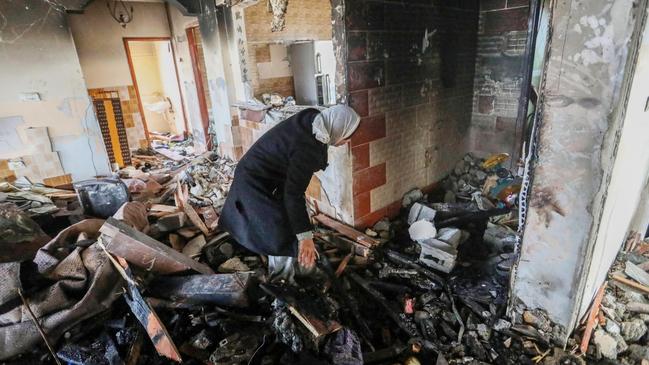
38 55
577 131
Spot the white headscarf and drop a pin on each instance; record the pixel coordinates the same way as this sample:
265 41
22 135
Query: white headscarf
335 124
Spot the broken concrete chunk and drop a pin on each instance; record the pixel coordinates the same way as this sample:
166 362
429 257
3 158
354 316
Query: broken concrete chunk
606 344
172 222
612 327
382 225
233 265
201 340
501 325
621 344
419 211
483 331
411 197
637 353
475 346
634 330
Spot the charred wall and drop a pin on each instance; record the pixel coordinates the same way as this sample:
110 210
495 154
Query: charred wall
410 69
582 102
498 76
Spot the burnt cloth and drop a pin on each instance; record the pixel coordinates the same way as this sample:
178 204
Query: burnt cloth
76 283
265 207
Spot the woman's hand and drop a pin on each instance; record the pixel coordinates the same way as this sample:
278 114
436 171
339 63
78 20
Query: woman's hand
307 253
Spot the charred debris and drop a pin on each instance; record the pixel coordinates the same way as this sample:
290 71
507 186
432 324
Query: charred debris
133 270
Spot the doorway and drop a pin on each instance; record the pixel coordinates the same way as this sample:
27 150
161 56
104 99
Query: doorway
200 76
155 79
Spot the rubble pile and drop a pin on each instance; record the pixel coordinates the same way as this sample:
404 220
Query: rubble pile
474 179
155 282
615 328
209 180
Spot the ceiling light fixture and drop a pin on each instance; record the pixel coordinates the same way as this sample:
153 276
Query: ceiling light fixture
122 13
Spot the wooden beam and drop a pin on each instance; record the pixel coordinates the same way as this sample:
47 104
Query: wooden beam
145 252
220 289
347 231
633 284
152 324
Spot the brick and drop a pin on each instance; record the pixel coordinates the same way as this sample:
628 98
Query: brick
385 148
385 194
359 102
369 219
365 75
393 209
492 4
485 122
497 22
370 129
384 99
361 157
362 204
486 104
364 15
505 124
379 45
262 53
368 179
305 19
356 46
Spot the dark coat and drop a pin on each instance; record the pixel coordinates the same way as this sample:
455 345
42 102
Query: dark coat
265 207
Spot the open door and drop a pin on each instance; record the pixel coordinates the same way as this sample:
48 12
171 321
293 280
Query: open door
200 77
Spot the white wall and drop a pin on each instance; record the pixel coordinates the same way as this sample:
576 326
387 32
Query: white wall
624 196
169 84
98 38
43 59
179 24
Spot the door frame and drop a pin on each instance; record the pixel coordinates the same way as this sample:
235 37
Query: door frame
200 87
126 40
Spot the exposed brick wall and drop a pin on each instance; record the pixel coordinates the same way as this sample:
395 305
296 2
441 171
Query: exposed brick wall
410 71
501 45
305 20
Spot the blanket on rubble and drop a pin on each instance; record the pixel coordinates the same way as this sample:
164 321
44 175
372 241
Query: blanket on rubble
74 281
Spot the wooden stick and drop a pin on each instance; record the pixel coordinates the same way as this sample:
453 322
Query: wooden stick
631 283
592 318
38 326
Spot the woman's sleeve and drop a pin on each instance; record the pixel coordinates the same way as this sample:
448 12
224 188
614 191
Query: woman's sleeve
300 170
